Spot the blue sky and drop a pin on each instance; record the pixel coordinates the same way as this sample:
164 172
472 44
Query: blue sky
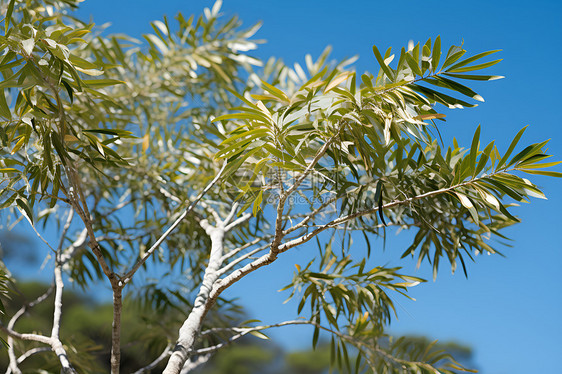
509 309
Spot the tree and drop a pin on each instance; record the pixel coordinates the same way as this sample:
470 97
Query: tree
164 168
87 324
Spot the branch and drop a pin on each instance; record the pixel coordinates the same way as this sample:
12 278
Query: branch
303 239
283 197
241 248
228 218
65 228
270 257
69 252
169 195
193 364
190 328
242 331
25 356
245 256
213 211
13 365
32 352
11 323
154 363
242 219
29 337
56 343
308 217
25 307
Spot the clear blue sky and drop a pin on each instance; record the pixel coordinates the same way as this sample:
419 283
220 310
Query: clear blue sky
509 310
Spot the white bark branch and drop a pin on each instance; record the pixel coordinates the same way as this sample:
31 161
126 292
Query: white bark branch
32 352
245 256
13 364
29 337
71 250
314 213
190 328
11 323
235 251
194 363
242 219
26 355
228 218
56 344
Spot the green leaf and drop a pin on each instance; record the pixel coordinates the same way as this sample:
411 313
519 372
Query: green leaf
439 97
527 152
379 199
436 53
337 80
275 92
81 63
555 174
8 17
413 64
257 203
4 109
511 148
99 83
452 85
258 131
116 132
25 209
68 90
538 166
467 203
453 55
382 64
259 334
475 67
474 149
484 157
507 214
474 77
472 59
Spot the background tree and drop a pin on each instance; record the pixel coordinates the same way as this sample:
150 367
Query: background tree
87 325
125 150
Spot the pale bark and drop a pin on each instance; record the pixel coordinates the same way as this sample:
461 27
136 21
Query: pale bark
194 363
191 326
14 361
26 355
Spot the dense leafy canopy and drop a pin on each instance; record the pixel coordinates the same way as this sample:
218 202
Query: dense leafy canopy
184 157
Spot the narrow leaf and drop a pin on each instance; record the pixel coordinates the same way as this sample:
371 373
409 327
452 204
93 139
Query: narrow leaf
382 64
8 17
511 147
436 54
475 67
472 59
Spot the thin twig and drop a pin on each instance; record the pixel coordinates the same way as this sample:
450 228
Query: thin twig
235 251
155 363
245 256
